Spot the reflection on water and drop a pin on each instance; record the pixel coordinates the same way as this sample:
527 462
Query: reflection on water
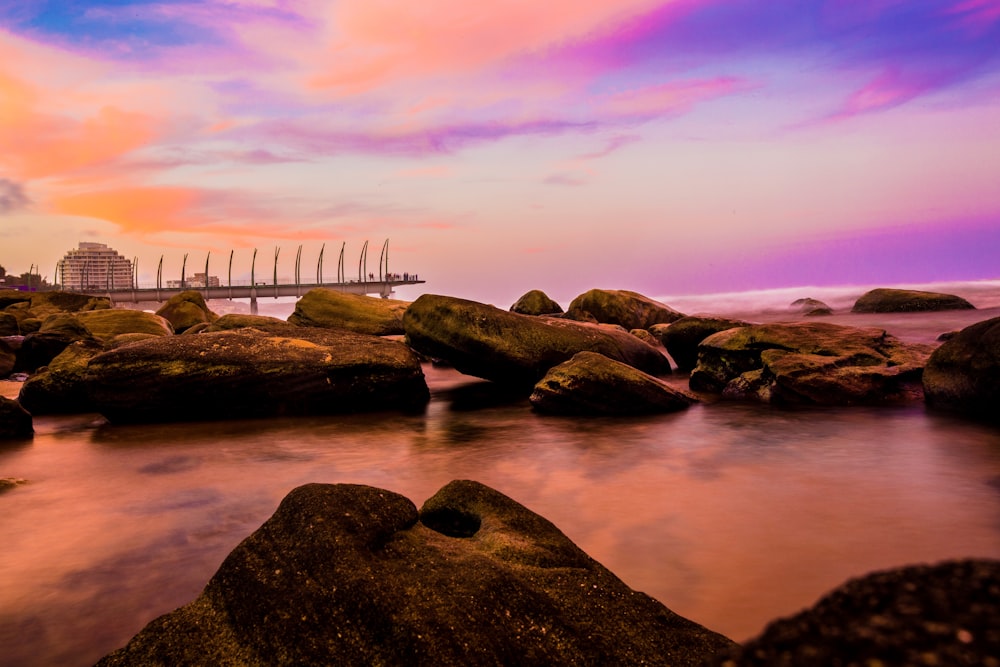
729 514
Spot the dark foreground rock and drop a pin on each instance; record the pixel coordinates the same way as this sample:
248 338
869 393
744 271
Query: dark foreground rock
186 310
326 307
944 614
963 375
354 575
514 349
536 302
8 356
630 310
682 337
811 363
60 387
884 300
246 373
592 384
15 421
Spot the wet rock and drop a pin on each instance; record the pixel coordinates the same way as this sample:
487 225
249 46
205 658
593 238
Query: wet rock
514 349
107 324
536 302
59 387
246 373
885 300
354 575
9 325
8 483
628 309
810 362
8 358
328 308
15 421
185 310
810 307
944 614
963 374
682 337
592 384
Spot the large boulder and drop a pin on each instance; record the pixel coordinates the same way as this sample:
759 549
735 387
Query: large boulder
108 324
630 310
592 384
15 421
186 309
810 362
274 325
963 374
536 302
944 614
43 304
354 575
514 349
682 337
9 325
329 308
57 332
884 300
247 373
59 387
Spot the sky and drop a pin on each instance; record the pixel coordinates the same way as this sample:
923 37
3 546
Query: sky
683 147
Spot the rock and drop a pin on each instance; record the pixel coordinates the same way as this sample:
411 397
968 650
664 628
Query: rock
536 302
246 373
682 337
59 387
39 349
9 297
810 362
9 325
885 300
67 324
963 374
328 308
592 384
107 324
944 614
628 309
811 307
15 421
353 575
8 483
30 325
514 349
185 310
8 358
260 322
46 303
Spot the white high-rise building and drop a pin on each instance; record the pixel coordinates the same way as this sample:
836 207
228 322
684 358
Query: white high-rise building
94 266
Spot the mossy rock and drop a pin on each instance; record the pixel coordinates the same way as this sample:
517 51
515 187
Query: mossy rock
811 363
355 575
329 308
107 324
682 337
10 297
592 384
514 349
630 310
186 309
67 302
536 302
260 322
963 374
810 307
884 300
247 373
60 387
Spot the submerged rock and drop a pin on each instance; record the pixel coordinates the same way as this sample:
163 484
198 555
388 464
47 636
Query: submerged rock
682 337
247 373
511 348
329 308
810 307
963 374
630 310
592 384
943 614
185 310
354 575
536 302
884 300
15 421
810 362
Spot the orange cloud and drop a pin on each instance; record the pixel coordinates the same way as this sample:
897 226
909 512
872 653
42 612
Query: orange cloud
138 210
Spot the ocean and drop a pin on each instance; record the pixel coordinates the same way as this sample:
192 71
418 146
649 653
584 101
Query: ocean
730 514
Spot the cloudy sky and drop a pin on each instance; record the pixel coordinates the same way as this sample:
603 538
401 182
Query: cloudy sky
665 147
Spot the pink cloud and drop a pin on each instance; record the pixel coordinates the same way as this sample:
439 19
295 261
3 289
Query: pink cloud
668 98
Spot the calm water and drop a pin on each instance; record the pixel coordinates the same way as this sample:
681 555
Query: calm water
731 515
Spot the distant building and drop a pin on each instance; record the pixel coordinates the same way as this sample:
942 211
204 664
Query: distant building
195 281
94 266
